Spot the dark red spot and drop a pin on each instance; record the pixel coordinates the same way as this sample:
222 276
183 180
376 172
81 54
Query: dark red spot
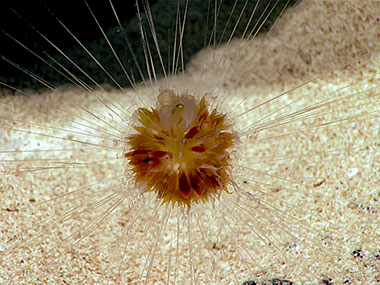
192 132
137 159
210 178
145 158
199 148
158 138
184 185
215 181
195 181
136 152
203 117
158 154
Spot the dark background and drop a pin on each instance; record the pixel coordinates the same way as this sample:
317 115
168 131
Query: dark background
21 19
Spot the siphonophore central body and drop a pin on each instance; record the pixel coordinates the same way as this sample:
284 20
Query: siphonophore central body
181 150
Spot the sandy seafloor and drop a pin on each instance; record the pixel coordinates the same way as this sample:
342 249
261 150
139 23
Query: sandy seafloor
329 179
